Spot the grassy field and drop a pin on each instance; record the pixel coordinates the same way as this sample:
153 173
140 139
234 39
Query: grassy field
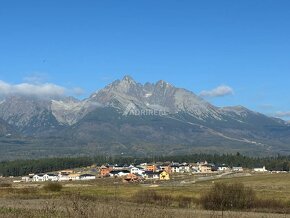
112 198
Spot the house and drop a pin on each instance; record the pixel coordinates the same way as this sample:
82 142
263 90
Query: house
38 178
223 168
28 178
105 170
201 163
237 169
164 176
152 175
261 170
63 176
175 168
137 170
195 168
74 177
119 173
205 168
50 177
117 167
87 177
165 167
184 168
151 167
143 166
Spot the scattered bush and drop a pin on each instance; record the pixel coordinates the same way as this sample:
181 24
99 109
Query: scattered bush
52 186
184 202
229 196
152 197
5 185
272 205
27 191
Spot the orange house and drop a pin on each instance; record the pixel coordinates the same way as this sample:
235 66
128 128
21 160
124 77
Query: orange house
151 167
104 171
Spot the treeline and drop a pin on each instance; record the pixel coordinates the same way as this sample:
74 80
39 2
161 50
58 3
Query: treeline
275 163
24 167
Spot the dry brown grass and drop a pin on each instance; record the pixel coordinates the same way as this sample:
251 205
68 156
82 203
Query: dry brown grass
52 186
112 198
78 208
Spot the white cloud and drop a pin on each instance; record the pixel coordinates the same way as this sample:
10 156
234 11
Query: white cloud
77 91
36 89
282 114
219 91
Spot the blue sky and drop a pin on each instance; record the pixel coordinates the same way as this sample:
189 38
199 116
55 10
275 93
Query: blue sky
199 45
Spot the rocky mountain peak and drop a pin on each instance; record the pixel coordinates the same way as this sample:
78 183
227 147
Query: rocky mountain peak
128 79
163 84
158 96
126 85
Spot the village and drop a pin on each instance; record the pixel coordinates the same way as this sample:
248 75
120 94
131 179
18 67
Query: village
136 173
170 185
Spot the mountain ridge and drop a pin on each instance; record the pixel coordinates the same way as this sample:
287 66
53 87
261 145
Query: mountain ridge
178 120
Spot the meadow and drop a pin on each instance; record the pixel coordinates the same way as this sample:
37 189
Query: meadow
111 197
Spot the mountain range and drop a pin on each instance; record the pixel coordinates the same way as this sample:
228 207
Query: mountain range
130 118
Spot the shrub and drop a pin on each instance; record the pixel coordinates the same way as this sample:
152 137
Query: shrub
5 185
184 202
52 186
228 196
272 205
152 197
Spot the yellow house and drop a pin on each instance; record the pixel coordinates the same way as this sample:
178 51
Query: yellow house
164 176
205 168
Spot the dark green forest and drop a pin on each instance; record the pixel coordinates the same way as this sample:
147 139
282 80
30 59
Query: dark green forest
24 167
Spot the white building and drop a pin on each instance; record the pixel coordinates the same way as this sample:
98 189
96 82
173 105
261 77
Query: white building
238 169
195 169
74 177
119 173
185 168
152 175
223 168
136 170
87 177
38 178
50 177
260 169
175 168
28 178
143 166
44 177
63 177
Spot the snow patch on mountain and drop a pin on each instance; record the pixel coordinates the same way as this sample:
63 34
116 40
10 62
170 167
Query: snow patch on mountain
69 112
